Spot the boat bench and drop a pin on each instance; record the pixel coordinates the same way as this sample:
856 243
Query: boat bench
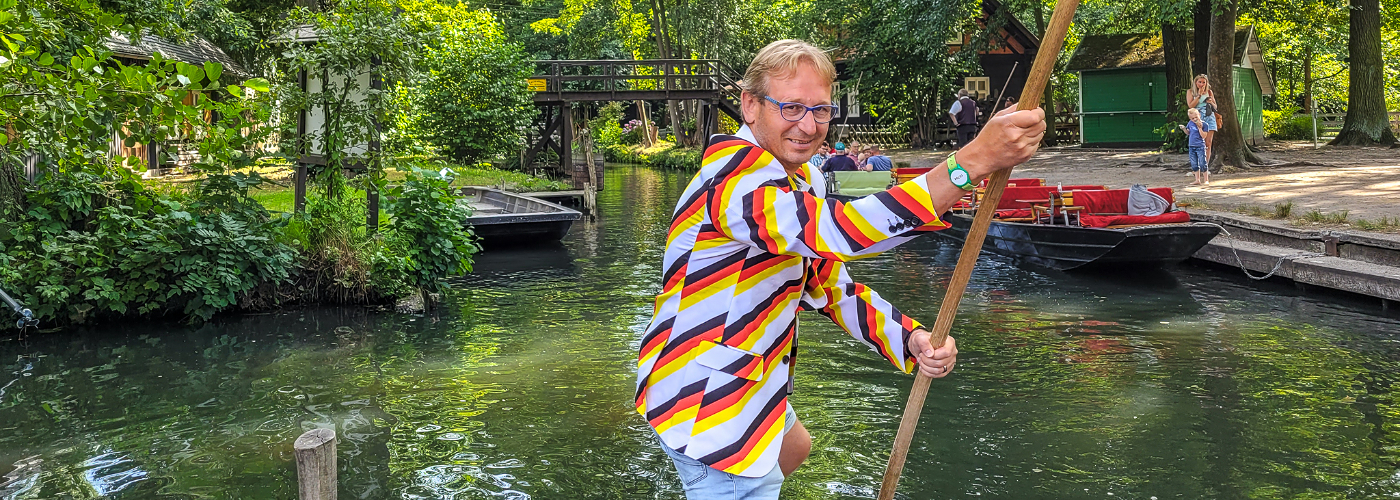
1110 208
1013 205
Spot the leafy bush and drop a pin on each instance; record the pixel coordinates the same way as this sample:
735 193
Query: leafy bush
1173 138
605 128
341 262
98 244
665 156
1286 124
426 233
474 97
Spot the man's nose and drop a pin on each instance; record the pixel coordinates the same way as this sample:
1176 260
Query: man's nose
808 123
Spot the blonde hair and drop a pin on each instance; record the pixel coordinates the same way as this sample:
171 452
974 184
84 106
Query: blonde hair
1193 113
1192 92
781 59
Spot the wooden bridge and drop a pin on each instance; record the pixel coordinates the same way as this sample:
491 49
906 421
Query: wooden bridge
558 84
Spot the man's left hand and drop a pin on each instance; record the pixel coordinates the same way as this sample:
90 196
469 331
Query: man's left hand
935 362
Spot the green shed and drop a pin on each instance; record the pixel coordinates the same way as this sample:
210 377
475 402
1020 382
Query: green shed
1123 88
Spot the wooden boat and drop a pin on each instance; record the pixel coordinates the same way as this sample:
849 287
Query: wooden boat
502 218
1064 248
1046 241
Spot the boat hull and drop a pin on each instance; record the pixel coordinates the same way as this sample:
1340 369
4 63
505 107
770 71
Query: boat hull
1068 247
501 219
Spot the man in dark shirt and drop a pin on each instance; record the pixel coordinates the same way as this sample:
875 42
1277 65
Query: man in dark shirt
964 115
840 161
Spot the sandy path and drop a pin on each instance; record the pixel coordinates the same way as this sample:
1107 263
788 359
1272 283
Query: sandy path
1363 181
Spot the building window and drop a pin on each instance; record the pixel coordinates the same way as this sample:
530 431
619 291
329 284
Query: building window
853 104
978 86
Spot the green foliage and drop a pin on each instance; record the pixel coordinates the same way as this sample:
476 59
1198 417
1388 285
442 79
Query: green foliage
665 156
96 243
473 99
1174 139
341 261
362 46
1318 216
607 128
1287 124
426 230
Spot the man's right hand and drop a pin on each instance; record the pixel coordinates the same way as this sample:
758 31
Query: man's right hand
1009 139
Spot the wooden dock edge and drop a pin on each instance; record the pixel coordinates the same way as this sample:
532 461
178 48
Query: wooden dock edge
1361 263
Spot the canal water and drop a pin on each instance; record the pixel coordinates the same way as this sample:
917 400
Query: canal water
1188 383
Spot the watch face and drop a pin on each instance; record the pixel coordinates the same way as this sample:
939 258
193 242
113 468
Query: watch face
959 177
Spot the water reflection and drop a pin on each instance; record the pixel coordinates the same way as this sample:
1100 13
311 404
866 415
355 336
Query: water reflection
1179 384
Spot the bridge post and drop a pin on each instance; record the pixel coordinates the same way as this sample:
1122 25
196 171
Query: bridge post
566 137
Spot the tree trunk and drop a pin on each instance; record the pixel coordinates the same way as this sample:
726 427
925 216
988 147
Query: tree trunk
1048 101
1176 47
1229 148
1201 38
1307 82
648 130
1367 122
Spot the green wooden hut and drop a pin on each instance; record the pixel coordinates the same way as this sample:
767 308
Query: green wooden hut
1123 88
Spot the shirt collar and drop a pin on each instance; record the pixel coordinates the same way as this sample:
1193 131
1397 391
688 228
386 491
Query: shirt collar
747 135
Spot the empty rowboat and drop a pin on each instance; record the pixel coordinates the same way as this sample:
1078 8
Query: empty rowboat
503 218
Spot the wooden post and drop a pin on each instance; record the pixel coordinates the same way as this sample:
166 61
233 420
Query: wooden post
316 469
299 183
972 245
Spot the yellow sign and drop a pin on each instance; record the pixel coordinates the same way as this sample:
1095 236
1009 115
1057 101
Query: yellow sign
537 84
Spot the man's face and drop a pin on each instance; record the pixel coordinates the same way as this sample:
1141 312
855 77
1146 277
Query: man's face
792 143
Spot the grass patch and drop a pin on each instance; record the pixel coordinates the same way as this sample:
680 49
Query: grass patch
1317 216
1279 211
1382 224
1190 203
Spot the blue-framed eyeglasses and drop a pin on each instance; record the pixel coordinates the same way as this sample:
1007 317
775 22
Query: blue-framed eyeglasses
796 111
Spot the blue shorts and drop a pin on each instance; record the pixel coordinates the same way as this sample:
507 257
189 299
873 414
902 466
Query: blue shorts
702 482
1209 120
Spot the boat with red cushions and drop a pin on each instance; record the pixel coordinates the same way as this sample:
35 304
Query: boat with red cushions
1077 227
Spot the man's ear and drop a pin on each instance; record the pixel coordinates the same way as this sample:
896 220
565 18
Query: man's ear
750 105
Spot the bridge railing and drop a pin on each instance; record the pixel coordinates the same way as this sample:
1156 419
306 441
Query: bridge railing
640 79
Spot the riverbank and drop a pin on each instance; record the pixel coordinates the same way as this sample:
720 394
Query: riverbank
1332 187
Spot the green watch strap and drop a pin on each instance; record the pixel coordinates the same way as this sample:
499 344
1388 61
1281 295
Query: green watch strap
958 175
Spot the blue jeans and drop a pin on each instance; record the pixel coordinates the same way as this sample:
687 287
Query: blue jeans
702 482
1198 158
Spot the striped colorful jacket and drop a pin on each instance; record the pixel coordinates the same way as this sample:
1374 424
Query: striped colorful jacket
748 247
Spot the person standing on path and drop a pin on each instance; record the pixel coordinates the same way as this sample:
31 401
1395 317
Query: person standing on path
964 115
752 242
1200 98
1196 146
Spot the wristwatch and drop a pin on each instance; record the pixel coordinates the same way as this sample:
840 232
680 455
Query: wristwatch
959 175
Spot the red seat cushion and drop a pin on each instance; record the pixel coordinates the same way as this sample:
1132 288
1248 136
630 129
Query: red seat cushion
1012 213
1115 220
1112 201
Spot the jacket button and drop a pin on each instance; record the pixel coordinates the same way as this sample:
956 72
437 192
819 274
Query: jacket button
786 358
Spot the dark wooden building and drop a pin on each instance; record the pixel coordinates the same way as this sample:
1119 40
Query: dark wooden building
173 153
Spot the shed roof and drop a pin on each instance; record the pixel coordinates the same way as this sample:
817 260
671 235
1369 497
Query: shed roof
1144 50
196 51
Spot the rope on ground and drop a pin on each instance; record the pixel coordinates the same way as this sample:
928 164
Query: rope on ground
1277 265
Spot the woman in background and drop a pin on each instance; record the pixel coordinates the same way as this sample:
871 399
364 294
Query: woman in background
1199 96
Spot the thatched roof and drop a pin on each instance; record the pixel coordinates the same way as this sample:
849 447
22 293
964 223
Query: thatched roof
195 51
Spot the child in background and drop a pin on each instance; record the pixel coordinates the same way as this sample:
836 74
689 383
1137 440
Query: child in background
1196 146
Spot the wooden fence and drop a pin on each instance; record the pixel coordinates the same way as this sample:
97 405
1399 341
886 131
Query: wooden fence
1329 124
872 135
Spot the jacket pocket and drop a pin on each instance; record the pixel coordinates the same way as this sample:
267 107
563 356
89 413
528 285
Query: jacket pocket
730 360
